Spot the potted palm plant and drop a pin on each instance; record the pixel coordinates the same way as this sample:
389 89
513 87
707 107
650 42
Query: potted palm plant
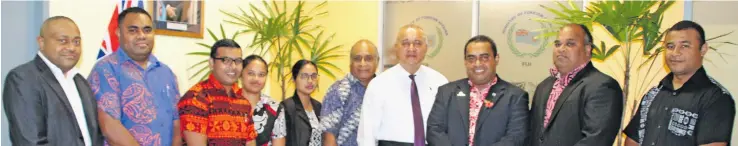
285 35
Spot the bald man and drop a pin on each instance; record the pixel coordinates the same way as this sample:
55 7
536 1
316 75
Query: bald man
47 101
342 102
577 104
398 101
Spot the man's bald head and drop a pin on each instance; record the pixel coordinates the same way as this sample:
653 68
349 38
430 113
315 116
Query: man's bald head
364 60
53 20
363 44
580 28
404 30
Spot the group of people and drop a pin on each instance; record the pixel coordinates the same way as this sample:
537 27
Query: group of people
131 98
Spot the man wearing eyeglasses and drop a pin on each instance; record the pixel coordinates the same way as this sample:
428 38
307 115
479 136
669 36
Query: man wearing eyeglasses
481 110
136 93
342 102
211 113
397 102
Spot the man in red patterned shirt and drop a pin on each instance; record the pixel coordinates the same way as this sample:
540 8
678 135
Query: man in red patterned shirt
482 109
577 104
211 113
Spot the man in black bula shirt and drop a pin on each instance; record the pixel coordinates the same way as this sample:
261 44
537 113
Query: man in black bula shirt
687 107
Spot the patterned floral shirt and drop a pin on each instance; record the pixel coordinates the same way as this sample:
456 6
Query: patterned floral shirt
558 87
265 109
475 104
143 100
226 120
341 110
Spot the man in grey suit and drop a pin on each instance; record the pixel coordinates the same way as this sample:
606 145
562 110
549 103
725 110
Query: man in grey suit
46 100
481 110
577 104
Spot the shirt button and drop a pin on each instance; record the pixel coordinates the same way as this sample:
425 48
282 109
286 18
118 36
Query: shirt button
673 93
666 108
658 126
653 143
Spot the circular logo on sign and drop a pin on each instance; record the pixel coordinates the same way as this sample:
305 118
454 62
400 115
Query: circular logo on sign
435 32
522 34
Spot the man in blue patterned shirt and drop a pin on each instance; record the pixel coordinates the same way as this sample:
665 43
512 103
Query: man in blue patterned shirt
136 93
342 103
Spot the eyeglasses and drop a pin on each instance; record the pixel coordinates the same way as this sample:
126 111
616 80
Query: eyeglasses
228 60
472 58
367 58
307 76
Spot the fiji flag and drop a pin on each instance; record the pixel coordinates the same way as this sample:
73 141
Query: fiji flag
110 41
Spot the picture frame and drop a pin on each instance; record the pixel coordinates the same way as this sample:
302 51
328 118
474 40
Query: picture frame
182 18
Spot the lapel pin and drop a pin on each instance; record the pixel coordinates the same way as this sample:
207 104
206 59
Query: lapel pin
461 94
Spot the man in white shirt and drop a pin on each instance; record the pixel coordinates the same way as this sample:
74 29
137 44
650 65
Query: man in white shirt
398 101
46 100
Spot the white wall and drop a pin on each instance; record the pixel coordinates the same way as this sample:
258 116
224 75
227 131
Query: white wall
93 19
718 18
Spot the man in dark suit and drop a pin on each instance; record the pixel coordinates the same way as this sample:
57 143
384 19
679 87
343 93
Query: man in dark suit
46 100
481 110
577 104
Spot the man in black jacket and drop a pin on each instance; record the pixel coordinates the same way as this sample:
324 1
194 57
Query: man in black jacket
577 104
481 110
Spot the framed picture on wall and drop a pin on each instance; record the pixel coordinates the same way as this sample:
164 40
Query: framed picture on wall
178 18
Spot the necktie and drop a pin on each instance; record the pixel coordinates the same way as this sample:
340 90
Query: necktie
419 139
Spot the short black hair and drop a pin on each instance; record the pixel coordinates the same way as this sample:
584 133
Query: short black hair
251 58
587 34
686 24
131 10
222 43
482 38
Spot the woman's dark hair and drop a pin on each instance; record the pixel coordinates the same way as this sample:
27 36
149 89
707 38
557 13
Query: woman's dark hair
296 70
251 58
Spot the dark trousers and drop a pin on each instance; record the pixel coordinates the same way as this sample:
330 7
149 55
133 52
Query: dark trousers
393 143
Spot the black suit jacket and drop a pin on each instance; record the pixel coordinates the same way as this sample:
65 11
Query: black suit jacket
504 124
39 112
587 113
297 121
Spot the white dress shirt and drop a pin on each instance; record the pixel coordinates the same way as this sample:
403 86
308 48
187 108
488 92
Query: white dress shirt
70 90
386 112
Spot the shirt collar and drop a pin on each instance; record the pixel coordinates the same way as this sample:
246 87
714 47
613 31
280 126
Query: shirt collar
406 74
56 70
354 81
699 79
122 57
215 83
555 71
490 84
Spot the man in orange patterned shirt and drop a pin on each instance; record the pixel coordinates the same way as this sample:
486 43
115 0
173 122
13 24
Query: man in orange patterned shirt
211 113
